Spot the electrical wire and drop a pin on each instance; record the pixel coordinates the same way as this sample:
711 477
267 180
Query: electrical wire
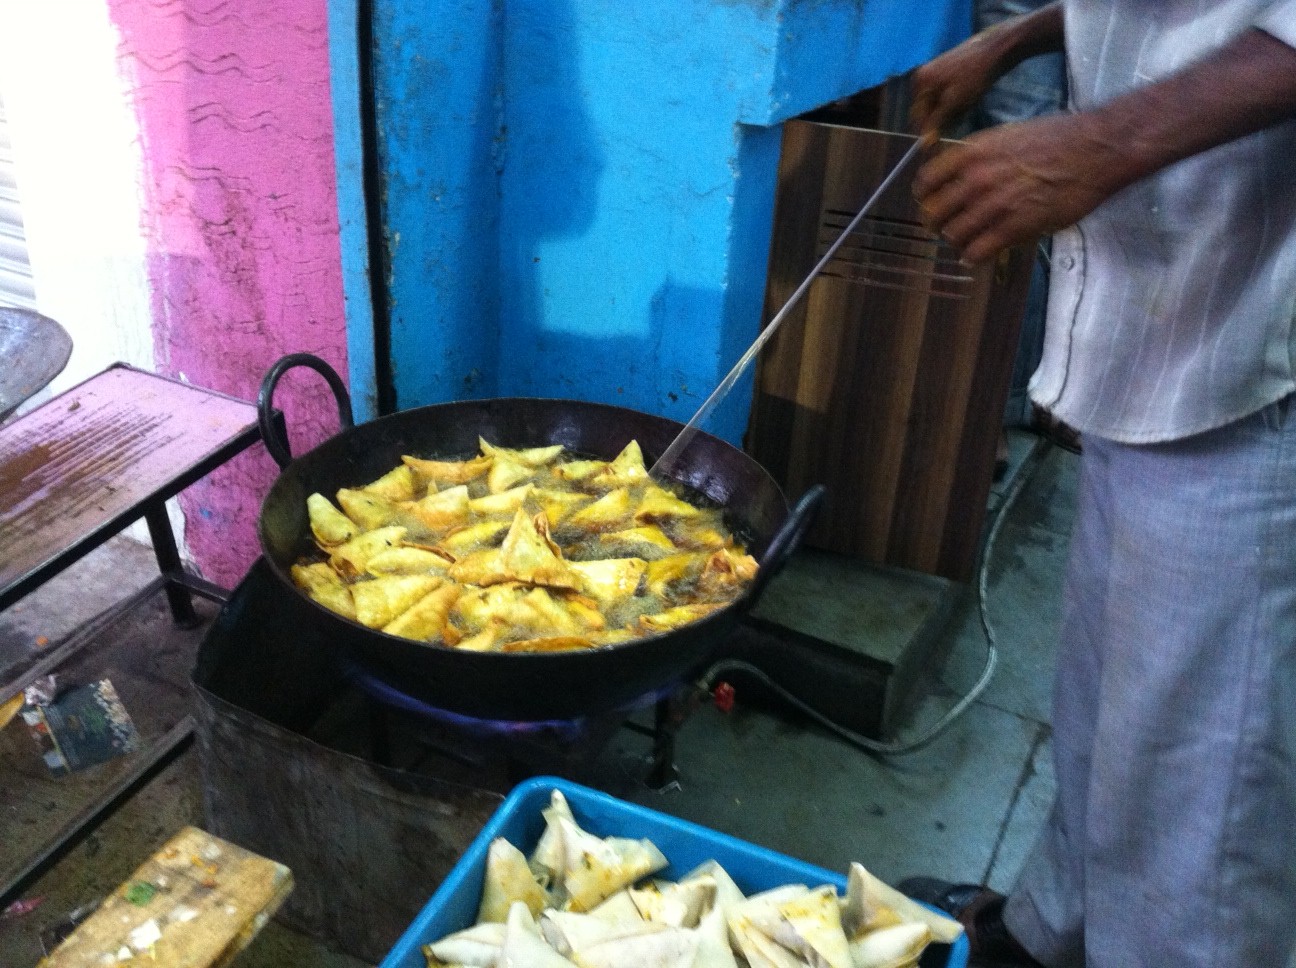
901 748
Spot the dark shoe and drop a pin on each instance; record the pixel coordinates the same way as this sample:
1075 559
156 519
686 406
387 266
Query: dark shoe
980 911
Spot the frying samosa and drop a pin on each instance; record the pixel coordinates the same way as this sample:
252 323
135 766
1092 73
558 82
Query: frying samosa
351 558
369 511
329 525
425 619
530 457
324 585
440 473
399 484
443 510
380 600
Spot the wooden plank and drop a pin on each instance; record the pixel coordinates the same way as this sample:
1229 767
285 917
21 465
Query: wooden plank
890 386
195 903
79 468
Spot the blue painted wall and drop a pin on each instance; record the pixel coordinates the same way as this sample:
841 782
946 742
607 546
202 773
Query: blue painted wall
579 192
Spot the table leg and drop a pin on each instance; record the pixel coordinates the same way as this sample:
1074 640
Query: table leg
168 559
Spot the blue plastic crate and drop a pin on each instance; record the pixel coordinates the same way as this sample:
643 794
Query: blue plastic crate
686 845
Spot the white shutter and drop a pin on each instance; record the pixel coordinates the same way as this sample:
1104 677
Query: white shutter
15 271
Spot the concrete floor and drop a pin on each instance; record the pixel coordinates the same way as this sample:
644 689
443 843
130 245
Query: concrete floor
966 807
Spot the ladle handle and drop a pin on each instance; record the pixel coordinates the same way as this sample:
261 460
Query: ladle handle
785 543
273 434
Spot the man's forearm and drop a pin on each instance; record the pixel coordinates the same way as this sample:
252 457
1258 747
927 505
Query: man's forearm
1243 88
1015 40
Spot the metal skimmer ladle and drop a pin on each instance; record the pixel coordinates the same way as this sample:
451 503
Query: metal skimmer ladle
686 435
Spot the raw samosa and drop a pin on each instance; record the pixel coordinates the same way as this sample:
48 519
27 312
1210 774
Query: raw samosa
811 926
508 880
892 947
524 947
667 948
871 903
475 947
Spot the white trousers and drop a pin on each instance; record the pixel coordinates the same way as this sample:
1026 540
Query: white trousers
1172 841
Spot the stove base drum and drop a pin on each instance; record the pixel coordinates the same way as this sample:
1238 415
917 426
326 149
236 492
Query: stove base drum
368 796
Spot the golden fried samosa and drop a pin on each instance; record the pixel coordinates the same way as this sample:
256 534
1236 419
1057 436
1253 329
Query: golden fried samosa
647 542
607 513
480 567
580 470
443 510
673 618
329 525
424 620
351 558
440 473
664 573
487 640
398 484
471 538
552 643
566 613
325 586
380 600
558 504
503 603
530 457
406 561
625 470
528 555
507 880
506 502
660 505
369 511
610 579
505 474
725 574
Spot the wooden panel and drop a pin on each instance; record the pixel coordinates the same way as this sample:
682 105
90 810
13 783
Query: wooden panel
197 903
889 388
83 465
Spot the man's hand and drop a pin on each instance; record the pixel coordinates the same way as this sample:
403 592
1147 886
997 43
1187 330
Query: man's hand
1011 184
946 87
949 85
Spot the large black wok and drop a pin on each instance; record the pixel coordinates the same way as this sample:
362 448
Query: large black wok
521 686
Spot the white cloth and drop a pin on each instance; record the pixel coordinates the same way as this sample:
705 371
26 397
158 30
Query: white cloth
1172 841
1172 307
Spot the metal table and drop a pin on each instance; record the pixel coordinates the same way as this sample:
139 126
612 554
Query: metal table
75 472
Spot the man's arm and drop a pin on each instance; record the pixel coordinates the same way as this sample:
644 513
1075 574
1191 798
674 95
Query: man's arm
953 82
1010 184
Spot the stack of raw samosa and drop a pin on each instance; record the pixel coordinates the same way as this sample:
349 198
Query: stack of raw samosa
583 901
521 550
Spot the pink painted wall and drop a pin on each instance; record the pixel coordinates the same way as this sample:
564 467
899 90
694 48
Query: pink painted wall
240 214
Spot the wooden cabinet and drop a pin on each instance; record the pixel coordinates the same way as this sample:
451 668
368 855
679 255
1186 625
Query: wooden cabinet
890 386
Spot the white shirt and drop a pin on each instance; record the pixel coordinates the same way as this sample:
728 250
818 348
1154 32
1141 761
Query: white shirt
1172 305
